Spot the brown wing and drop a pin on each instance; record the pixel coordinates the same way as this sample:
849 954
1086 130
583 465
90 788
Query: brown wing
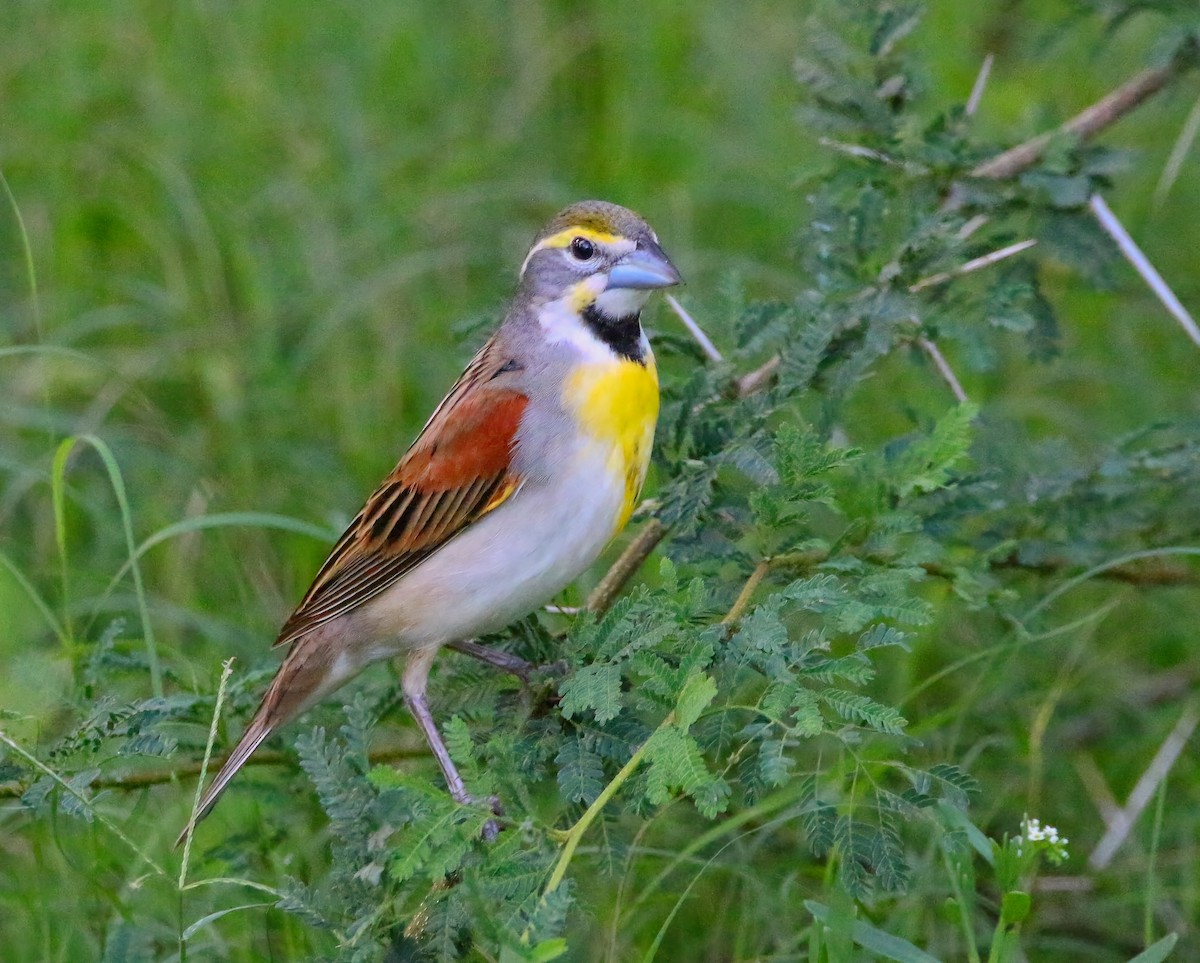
457 470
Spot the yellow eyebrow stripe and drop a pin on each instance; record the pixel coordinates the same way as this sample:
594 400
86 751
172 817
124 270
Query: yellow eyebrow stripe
563 238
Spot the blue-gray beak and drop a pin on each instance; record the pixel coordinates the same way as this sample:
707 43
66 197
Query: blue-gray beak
644 268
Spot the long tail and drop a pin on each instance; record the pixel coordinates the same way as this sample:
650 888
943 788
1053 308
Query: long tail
301 680
252 738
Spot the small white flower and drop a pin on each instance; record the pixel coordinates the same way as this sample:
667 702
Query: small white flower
1054 845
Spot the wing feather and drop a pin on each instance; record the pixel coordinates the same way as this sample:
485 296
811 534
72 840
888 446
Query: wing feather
458 470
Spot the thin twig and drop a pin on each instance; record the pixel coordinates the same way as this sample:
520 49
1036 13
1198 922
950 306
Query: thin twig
972 225
131 781
743 600
86 801
984 260
755 381
980 84
623 568
1133 254
975 264
695 330
944 369
869 153
1087 123
1151 576
1145 788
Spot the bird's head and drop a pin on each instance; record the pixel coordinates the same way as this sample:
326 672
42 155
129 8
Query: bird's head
599 262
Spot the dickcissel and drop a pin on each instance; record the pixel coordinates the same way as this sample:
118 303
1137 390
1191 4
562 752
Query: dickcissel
519 479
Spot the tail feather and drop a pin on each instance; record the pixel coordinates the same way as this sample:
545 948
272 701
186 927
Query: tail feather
302 679
252 738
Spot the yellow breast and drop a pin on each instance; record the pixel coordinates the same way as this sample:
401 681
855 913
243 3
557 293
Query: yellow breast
617 404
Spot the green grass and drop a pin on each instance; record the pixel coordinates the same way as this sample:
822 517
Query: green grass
264 241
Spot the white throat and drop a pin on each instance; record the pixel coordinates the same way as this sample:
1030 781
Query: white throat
621 302
562 322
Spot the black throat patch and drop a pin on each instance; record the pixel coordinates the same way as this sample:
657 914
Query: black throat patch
623 335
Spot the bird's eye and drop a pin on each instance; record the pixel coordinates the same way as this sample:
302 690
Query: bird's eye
582 249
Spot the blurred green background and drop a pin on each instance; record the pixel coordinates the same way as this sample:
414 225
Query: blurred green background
272 233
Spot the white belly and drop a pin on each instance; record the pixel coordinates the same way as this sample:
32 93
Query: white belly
502 567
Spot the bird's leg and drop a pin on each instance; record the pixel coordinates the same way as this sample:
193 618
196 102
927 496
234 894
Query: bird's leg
494 657
416 674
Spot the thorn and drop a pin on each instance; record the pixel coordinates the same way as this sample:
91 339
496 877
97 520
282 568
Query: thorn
702 339
977 88
1133 254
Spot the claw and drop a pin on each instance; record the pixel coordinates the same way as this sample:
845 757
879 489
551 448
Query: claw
559 667
493 827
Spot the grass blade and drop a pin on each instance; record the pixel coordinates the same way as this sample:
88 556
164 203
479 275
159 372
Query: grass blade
875 940
1159 951
58 484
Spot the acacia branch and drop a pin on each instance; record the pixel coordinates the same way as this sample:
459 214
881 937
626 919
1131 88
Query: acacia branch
1150 576
621 571
1084 125
130 781
755 381
654 531
741 603
975 264
1092 120
1155 575
1146 575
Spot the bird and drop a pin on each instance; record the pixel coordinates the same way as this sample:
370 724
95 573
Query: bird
522 475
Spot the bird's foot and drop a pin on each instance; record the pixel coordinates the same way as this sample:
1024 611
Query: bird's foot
491 828
556 668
